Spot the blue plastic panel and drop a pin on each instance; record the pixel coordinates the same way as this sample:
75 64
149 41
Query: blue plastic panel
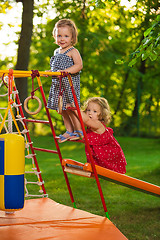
14 191
1 157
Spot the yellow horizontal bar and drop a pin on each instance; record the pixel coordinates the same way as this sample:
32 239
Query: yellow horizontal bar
29 75
18 73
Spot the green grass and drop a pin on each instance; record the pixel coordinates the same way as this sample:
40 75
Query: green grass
134 213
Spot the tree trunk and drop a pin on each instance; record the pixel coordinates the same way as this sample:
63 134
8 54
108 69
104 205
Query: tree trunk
121 93
134 120
81 41
24 46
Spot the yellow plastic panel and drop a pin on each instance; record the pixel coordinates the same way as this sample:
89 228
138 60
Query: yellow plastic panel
14 154
2 192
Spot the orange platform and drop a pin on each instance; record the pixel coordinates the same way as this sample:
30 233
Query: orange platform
43 219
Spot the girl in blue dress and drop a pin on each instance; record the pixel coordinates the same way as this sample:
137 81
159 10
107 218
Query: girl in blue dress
66 59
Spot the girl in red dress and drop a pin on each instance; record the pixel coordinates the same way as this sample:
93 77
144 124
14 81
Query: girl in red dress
105 149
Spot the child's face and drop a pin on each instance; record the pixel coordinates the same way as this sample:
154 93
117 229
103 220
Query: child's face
93 110
63 37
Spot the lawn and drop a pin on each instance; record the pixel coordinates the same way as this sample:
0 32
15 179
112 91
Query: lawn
135 214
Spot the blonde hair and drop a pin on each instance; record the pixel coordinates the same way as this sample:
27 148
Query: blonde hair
105 115
69 23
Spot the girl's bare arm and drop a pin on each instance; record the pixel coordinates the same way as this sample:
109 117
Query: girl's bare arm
93 124
78 64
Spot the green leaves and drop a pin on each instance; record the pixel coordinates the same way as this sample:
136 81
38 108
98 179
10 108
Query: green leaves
107 31
150 45
100 4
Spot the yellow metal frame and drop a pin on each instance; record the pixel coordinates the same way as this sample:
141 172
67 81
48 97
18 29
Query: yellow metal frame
9 108
18 74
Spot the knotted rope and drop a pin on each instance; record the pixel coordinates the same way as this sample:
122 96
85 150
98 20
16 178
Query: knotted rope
34 74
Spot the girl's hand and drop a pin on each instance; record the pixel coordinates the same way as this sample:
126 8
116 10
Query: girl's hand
62 71
47 71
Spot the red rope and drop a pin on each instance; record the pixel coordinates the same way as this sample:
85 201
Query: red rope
3 80
63 74
60 86
10 82
34 74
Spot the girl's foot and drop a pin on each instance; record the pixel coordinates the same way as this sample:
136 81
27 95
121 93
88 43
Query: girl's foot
78 135
75 136
66 136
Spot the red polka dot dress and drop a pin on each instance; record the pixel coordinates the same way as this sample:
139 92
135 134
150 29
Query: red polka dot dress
106 151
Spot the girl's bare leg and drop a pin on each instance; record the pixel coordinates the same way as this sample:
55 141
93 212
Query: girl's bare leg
67 122
69 127
72 124
75 121
76 125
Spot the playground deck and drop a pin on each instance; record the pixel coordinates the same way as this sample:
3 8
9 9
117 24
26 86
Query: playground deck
45 219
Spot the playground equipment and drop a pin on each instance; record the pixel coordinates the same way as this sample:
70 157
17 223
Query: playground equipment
44 218
12 162
82 225
13 102
85 170
35 74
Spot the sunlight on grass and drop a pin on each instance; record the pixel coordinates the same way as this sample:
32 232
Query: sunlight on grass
69 148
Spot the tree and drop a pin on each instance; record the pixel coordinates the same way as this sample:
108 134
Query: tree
107 31
24 45
149 46
105 34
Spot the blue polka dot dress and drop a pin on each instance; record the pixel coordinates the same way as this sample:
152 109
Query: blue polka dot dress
61 61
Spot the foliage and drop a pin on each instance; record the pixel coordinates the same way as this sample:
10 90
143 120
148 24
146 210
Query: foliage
4 5
150 45
105 34
107 31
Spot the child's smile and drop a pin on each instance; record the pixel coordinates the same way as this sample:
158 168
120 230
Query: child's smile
64 37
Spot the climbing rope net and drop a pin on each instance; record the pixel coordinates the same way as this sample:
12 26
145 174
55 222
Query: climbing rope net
8 106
